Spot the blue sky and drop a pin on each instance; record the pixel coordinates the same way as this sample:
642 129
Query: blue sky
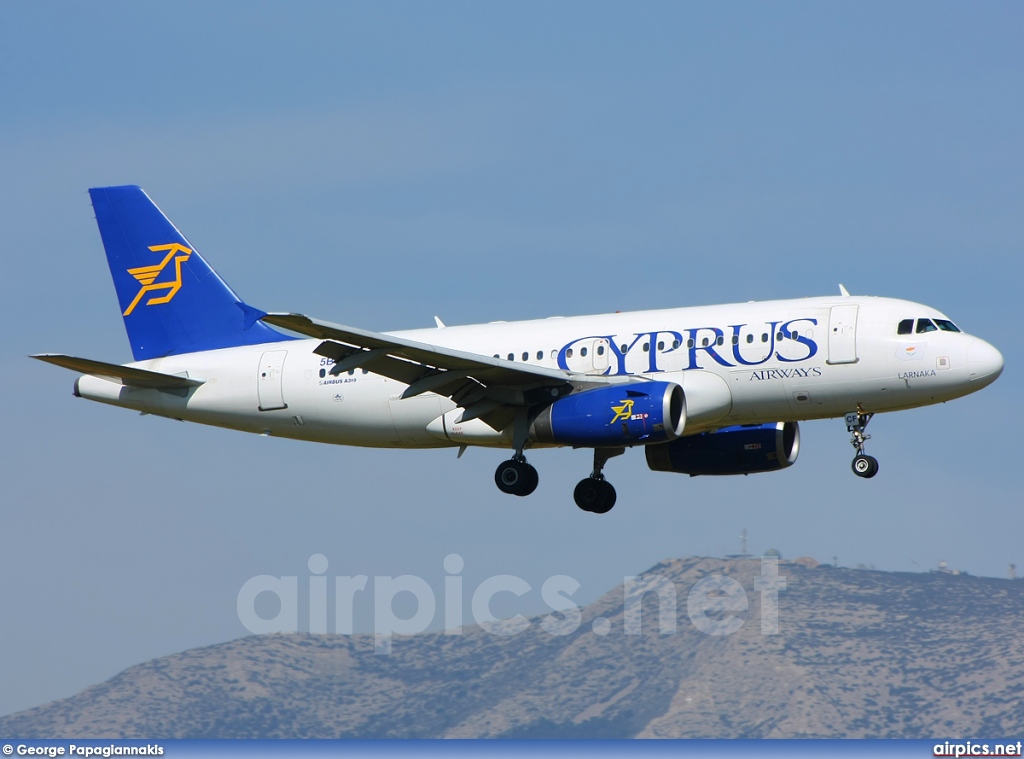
377 164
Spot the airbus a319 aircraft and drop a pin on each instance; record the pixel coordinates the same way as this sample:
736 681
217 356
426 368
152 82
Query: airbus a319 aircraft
711 390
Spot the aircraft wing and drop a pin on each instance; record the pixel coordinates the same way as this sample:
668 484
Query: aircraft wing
486 387
126 375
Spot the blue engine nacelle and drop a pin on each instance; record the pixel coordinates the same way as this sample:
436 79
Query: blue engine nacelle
730 450
639 413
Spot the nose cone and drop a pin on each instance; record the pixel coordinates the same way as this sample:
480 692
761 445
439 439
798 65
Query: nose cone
984 362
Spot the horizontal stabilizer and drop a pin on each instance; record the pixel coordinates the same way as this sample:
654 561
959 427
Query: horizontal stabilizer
126 375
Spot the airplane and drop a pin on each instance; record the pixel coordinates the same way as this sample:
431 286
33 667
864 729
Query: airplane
711 390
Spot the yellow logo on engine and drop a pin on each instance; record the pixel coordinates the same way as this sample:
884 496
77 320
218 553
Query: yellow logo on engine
622 412
147 275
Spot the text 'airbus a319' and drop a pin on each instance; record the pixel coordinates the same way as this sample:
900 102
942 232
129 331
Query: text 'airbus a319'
709 390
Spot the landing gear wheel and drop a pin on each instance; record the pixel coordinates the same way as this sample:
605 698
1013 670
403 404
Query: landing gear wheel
865 466
594 495
532 480
516 477
856 422
607 499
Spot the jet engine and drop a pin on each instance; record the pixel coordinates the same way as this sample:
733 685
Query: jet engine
747 449
640 413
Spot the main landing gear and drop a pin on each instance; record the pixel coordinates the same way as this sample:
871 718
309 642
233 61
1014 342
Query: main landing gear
516 477
863 465
595 494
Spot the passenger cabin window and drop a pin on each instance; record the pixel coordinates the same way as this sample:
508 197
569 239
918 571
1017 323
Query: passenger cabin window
905 327
540 355
925 325
946 325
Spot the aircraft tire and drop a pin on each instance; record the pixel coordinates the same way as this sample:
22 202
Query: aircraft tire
516 477
595 496
607 499
532 480
865 466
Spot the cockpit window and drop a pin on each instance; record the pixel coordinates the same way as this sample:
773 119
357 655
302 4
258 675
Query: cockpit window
925 325
905 327
946 325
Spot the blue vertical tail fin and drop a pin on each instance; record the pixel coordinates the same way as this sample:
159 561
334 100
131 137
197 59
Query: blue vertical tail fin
171 300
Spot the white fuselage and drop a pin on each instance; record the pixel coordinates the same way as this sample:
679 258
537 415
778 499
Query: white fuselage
747 363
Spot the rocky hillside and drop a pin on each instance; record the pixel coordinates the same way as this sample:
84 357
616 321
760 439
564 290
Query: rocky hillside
858 654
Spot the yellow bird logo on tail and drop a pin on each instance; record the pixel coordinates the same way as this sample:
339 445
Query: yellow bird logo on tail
147 275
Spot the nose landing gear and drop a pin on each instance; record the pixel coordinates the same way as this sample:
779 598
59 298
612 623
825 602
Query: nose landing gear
863 465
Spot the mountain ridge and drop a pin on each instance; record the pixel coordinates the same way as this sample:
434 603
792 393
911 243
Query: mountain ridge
859 653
